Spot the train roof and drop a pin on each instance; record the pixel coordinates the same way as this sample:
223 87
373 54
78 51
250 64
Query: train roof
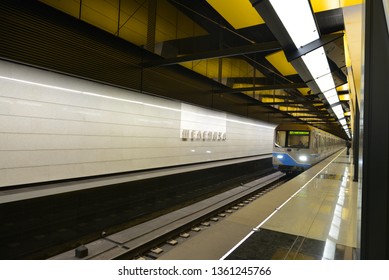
300 126
294 126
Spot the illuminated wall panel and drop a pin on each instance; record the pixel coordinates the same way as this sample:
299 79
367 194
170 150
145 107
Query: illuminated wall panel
56 127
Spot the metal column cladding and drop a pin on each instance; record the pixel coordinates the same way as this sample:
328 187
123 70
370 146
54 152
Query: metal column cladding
375 135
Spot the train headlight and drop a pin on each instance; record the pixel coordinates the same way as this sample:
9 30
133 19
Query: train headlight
280 156
303 158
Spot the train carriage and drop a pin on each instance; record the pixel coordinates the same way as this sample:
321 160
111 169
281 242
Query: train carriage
299 146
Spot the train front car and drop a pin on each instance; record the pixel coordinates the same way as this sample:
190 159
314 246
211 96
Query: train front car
294 147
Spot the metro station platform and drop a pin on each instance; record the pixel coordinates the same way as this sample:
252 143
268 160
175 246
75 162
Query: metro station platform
311 217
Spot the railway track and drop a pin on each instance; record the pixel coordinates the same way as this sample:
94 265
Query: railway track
45 220
143 240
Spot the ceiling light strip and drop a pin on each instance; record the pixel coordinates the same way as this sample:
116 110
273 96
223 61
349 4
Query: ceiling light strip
302 29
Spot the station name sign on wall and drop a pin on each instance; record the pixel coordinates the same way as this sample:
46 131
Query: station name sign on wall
198 135
200 124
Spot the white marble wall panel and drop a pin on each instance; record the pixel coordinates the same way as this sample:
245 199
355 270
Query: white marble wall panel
55 127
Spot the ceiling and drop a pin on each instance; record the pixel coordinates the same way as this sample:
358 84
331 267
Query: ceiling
228 42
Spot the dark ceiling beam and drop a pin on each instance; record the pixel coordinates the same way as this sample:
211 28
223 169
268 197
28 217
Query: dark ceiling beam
316 117
283 103
292 106
324 122
227 52
285 97
261 80
343 92
203 14
269 87
330 21
189 45
337 73
322 41
306 112
269 15
276 113
267 69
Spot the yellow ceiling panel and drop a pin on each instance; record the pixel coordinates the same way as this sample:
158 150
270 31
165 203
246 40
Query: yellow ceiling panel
345 3
324 5
346 51
271 100
320 5
343 87
71 7
304 91
239 13
279 61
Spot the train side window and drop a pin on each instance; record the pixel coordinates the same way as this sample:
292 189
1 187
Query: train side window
280 138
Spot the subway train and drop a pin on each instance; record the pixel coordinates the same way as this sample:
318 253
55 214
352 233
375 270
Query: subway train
299 146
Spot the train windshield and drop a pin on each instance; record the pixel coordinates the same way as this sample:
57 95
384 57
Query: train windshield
292 139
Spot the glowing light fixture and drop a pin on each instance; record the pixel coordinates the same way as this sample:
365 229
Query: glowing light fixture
325 83
331 96
302 30
338 111
316 62
333 100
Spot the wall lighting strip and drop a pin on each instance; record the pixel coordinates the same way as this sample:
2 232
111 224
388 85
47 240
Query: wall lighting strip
129 101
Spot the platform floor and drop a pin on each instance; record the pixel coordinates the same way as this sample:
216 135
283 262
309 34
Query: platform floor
313 216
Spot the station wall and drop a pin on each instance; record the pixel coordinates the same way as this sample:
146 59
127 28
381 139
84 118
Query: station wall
55 127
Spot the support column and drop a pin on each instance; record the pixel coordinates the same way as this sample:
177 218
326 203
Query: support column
374 133
355 142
